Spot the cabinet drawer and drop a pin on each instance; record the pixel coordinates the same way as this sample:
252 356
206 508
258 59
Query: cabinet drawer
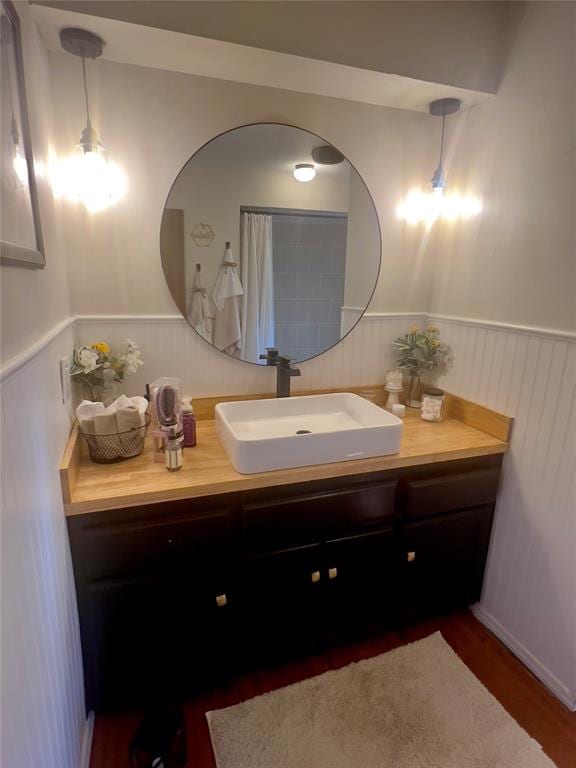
201 542
304 518
437 495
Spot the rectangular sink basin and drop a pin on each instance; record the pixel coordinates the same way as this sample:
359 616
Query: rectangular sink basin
262 435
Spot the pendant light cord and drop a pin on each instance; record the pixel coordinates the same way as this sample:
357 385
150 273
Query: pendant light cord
442 141
85 89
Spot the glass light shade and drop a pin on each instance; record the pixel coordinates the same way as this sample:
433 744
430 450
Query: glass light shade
428 207
88 177
304 172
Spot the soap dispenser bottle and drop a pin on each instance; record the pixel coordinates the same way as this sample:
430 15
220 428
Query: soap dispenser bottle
189 423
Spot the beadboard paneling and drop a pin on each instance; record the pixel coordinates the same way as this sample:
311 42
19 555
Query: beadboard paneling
526 373
528 596
43 717
171 348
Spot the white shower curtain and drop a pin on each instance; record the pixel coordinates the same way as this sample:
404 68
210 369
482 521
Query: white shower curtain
257 280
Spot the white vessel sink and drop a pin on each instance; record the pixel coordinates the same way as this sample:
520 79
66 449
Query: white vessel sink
261 435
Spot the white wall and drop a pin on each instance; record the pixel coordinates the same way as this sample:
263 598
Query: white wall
43 714
152 121
461 43
517 262
516 265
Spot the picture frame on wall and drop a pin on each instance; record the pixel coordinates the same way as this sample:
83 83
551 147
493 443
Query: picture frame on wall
21 242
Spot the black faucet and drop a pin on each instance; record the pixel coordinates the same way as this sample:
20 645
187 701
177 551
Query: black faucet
284 370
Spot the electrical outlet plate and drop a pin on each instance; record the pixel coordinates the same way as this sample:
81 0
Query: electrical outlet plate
65 379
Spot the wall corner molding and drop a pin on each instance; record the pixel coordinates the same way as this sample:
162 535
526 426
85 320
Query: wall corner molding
15 364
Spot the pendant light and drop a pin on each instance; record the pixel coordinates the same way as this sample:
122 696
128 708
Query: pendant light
86 45
88 176
442 108
429 206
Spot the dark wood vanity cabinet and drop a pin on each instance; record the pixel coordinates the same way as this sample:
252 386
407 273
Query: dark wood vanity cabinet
183 594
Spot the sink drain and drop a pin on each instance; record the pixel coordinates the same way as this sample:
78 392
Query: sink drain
303 432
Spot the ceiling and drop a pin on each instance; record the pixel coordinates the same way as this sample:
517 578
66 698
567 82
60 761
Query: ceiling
276 148
460 44
141 45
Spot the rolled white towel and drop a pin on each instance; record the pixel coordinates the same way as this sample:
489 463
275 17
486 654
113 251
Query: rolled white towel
128 417
142 404
105 424
87 426
87 409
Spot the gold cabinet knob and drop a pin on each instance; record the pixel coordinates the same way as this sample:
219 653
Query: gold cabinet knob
221 600
411 556
332 573
315 577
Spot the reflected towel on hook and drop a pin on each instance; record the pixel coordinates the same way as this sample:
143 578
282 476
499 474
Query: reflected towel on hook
226 299
200 308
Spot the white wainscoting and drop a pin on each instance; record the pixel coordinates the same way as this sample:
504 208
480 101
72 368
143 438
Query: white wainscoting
171 348
528 597
43 717
528 373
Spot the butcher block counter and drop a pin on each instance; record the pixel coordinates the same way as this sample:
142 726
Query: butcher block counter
468 431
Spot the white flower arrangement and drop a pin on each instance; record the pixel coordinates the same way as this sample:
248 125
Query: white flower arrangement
94 364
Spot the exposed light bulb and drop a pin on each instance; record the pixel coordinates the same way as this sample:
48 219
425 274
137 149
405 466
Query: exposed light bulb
428 207
304 172
88 177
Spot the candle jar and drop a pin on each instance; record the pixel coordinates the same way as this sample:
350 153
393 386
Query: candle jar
432 408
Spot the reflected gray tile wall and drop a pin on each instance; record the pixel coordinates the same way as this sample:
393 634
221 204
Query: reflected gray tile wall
309 266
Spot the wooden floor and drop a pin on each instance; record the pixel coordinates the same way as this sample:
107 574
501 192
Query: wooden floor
536 710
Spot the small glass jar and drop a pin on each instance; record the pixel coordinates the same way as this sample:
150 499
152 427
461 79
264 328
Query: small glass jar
432 407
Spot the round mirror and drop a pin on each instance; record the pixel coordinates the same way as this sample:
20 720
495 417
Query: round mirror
270 239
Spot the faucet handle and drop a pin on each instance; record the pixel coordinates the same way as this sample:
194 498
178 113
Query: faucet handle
271 356
286 363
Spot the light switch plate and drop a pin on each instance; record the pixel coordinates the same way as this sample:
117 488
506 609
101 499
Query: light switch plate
65 379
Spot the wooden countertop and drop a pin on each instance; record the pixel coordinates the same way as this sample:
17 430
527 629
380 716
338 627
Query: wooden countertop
90 487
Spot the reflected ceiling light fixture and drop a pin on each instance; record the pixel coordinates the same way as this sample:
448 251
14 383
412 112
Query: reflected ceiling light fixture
326 154
427 207
88 176
304 172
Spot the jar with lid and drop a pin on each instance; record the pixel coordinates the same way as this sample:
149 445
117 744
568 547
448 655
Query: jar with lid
432 408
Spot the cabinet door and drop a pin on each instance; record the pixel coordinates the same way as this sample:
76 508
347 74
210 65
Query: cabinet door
360 583
280 602
154 637
443 559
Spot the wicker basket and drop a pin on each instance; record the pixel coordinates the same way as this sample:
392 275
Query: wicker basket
105 449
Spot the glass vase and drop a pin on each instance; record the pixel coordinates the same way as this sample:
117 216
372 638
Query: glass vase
414 397
103 392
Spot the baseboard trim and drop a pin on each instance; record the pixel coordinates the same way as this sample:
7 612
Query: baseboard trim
567 697
16 363
86 746
529 330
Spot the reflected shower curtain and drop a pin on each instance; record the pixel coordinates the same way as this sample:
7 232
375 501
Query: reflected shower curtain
258 283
